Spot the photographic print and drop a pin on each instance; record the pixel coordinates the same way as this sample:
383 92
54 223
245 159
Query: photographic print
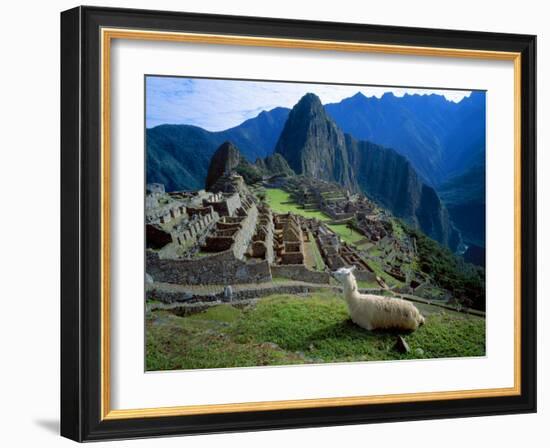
296 223
258 201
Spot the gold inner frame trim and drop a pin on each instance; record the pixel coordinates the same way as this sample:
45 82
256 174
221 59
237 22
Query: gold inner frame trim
107 35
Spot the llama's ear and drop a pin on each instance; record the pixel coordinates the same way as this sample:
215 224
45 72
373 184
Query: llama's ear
352 268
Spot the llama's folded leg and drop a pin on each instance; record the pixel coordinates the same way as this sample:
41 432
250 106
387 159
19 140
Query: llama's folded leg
368 326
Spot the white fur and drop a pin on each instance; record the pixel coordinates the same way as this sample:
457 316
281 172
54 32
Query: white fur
372 312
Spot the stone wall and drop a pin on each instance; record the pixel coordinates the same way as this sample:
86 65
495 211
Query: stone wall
225 205
364 276
244 236
337 213
155 188
301 273
187 233
233 203
292 258
263 238
169 297
218 269
156 237
217 243
151 201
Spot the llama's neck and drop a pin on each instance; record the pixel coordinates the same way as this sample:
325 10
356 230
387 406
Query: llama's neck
351 293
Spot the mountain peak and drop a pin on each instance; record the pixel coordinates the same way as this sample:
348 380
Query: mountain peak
359 96
312 144
388 96
309 101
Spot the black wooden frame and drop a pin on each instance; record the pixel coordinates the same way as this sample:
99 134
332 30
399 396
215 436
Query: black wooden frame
80 223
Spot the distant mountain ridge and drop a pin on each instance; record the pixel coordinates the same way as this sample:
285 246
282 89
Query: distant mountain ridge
257 137
464 196
179 155
443 140
438 136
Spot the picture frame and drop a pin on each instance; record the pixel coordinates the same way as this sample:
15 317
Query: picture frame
86 210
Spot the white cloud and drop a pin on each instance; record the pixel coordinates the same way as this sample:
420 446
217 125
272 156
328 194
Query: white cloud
216 105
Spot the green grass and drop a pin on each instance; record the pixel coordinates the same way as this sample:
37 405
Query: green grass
466 281
375 252
279 280
379 271
200 342
398 231
222 313
285 329
363 284
350 236
313 257
281 202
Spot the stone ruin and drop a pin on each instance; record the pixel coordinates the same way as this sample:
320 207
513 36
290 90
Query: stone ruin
372 226
226 235
289 239
339 254
154 189
331 198
230 182
337 212
369 220
176 220
262 241
236 226
196 230
315 193
200 219
225 204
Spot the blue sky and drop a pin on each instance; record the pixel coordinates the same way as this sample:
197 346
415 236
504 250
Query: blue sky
216 105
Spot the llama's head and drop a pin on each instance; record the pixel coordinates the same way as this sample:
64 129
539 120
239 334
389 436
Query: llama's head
344 275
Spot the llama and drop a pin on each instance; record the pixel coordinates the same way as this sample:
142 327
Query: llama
376 312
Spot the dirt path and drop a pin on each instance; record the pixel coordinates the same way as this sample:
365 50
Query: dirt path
206 290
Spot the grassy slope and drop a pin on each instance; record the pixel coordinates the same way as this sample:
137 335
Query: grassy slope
319 262
281 202
348 234
285 329
312 257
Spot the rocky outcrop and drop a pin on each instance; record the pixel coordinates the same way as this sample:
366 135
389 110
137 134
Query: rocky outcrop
226 158
274 165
